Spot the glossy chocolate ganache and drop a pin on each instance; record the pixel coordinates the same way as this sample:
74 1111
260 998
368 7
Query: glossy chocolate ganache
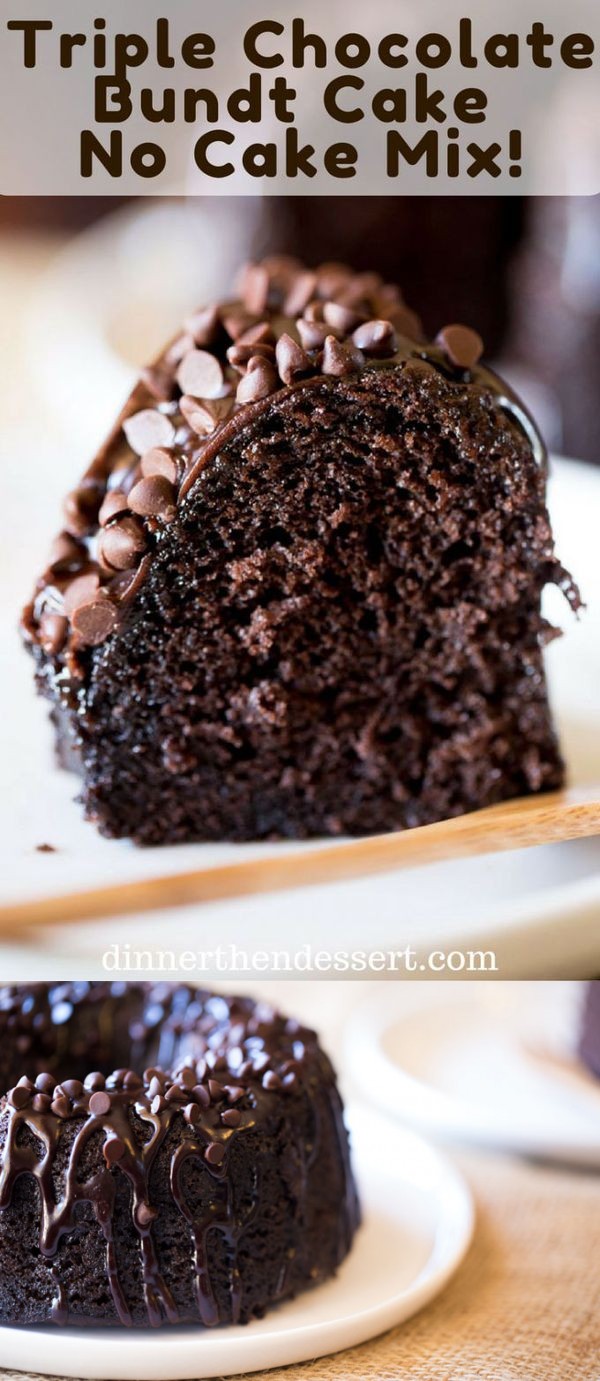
297 592
205 1180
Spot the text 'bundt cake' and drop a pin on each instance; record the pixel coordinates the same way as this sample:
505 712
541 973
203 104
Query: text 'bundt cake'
298 590
204 1184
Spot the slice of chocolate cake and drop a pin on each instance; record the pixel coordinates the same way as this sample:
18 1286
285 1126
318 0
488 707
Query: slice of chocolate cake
298 590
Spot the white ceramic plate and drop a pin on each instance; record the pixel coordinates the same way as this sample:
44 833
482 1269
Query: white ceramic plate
418 1221
494 1065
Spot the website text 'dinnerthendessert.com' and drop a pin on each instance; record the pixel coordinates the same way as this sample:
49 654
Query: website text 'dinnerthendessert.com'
300 819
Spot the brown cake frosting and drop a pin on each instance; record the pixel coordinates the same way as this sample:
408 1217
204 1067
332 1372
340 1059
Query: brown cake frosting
204 1181
298 590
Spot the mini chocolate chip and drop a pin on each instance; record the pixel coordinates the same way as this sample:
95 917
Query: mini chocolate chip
259 380
239 355
191 1112
121 543
81 590
158 381
132 1080
292 360
204 325
463 346
332 277
255 288
160 461
231 1117
154 1087
158 1104
81 509
112 506
46 1083
94 622
214 1153
153 498
67 551
339 358
375 337
203 415
260 334
341 318
61 1107
313 334
237 322
186 1077
313 311
148 428
41 1102
200 374
52 633
18 1097
234 1092
113 1150
174 1094
271 1080
94 1081
73 1087
202 1095
179 347
100 1104
290 1082
302 290
216 1089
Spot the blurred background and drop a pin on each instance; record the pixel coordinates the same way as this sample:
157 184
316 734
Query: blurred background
106 281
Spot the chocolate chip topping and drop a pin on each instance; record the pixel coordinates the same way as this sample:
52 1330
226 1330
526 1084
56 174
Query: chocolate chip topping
153 497
94 621
120 544
259 380
99 1104
462 346
204 414
113 506
291 326
292 360
339 358
160 461
200 374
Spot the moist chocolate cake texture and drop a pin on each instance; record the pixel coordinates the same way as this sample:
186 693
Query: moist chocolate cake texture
205 1184
298 590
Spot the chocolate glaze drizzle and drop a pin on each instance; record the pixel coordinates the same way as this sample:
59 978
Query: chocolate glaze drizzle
290 328
237 1069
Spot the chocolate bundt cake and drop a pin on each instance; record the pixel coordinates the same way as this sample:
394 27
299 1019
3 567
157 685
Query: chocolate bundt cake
589 1034
203 1185
298 590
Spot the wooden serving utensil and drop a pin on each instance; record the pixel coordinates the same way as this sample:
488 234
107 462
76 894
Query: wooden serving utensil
549 818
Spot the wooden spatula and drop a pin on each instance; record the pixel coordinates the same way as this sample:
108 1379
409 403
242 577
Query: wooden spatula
520 824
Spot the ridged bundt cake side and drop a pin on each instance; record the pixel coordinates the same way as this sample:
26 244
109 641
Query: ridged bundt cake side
205 1185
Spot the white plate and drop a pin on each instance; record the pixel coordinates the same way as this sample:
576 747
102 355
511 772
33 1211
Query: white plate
491 1064
418 1222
